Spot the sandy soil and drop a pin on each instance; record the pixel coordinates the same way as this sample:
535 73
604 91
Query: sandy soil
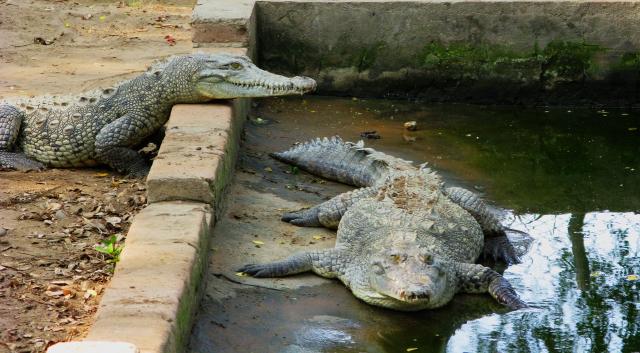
62 46
51 277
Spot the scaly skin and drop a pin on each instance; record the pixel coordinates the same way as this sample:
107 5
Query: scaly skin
102 127
404 241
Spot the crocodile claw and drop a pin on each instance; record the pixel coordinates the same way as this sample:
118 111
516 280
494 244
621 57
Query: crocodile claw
505 294
500 249
19 161
256 270
302 218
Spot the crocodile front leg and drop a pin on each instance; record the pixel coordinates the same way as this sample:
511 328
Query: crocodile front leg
475 278
496 243
330 212
10 121
114 141
325 263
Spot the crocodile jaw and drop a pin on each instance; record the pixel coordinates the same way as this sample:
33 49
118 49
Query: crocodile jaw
250 81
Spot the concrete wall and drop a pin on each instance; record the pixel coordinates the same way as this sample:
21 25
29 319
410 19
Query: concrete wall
533 52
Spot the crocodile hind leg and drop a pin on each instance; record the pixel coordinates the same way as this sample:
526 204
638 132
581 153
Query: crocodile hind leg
114 141
475 278
323 262
10 121
330 212
496 243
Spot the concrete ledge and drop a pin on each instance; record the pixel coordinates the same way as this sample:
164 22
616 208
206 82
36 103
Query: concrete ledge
198 152
221 21
152 297
93 347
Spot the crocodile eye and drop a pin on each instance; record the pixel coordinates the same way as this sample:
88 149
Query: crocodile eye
426 258
377 268
439 271
236 66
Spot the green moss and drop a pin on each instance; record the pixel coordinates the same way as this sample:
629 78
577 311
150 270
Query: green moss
366 57
558 61
463 60
569 61
629 62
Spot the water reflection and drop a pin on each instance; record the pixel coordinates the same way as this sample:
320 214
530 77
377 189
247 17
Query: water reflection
579 273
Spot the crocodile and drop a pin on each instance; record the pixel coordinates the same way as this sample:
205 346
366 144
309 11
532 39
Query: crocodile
404 240
103 126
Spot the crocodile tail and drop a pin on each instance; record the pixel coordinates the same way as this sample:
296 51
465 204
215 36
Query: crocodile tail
347 162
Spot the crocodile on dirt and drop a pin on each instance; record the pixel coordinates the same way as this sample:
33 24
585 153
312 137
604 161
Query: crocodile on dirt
103 126
404 241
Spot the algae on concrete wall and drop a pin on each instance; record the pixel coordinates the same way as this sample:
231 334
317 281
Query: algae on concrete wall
559 61
485 52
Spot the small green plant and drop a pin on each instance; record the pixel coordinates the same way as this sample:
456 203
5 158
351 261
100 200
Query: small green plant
294 170
111 248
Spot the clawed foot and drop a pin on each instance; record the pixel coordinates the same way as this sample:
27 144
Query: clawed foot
19 161
302 218
139 172
500 249
501 289
256 270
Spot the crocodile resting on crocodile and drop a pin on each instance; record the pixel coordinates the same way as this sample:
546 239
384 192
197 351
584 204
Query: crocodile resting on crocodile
102 126
404 241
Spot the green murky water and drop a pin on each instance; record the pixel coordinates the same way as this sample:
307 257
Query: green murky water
570 178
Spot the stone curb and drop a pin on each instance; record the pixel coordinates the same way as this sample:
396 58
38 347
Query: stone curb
150 302
93 347
221 21
151 298
198 152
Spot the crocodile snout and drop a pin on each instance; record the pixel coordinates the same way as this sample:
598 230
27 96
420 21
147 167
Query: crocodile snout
306 84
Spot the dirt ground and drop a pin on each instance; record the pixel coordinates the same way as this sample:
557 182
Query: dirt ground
51 277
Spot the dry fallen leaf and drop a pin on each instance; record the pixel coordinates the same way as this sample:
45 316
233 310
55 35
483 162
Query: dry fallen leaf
412 349
114 221
100 175
241 274
317 237
56 293
632 277
257 242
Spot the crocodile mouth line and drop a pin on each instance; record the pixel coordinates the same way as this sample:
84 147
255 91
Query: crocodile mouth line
412 297
272 88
